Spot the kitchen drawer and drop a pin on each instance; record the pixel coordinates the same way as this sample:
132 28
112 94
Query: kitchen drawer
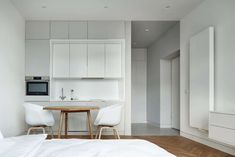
221 134
222 120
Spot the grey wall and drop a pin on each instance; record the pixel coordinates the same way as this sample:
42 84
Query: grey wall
138 85
220 14
12 43
167 44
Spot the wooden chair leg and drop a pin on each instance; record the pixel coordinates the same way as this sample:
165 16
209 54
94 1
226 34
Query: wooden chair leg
43 130
100 133
97 132
52 134
118 136
36 128
29 130
114 133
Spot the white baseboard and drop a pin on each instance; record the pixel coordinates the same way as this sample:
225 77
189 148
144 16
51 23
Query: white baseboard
211 143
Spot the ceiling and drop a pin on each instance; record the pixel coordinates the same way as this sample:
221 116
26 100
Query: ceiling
144 33
105 9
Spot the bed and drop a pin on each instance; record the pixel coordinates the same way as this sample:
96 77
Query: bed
38 146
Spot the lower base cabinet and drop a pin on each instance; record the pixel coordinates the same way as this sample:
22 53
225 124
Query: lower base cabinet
222 127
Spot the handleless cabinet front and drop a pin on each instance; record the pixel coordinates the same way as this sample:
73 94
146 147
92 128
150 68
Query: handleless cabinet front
37 57
113 60
60 60
78 60
59 30
96 60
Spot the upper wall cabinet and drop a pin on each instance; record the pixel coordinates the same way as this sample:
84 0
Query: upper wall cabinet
87 58
106 30
78 30
37 57
78 60
59 30
113 58
37 29
96 60
60 62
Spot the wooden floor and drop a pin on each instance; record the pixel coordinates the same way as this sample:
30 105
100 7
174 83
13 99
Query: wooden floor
177 145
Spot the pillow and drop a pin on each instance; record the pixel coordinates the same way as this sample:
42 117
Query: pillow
1 136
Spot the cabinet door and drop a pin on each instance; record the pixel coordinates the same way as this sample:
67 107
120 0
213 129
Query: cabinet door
95 60
37 29
106 30
37 57
78 30
113 64
78 60
61 60
59 30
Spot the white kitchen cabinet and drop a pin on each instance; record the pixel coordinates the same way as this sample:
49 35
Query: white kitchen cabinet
96 60
78 30
222 128
106 30
59 30
37 29
113 60
37 57
60 60
78 60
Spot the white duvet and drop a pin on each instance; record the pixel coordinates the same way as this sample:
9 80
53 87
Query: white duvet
38 146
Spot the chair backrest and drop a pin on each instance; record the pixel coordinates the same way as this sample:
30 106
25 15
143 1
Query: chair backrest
35 115
110 115
1 136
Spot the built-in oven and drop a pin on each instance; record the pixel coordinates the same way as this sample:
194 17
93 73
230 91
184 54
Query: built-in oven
37 86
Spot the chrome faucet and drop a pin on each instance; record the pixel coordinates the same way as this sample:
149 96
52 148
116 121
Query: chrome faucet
62 97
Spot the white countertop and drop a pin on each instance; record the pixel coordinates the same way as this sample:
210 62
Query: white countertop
80 100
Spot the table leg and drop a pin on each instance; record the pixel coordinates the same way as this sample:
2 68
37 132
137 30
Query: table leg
90 123
61 123
66 125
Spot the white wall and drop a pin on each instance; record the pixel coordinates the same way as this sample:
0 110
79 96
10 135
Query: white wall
167 44
220 14
138 85
12 35
128 78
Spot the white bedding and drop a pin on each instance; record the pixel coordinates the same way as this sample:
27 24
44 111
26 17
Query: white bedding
37 146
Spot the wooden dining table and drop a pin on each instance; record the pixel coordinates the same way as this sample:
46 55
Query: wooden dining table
65 110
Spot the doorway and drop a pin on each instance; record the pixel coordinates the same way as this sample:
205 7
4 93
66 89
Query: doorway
170 92
175 93
152 41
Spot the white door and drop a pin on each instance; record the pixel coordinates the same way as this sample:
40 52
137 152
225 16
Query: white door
96 60
60 60
175 68
113 60
78 60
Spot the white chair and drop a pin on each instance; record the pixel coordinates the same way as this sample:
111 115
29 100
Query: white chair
108 118
38 118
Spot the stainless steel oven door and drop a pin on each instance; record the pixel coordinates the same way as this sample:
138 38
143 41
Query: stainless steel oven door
37 88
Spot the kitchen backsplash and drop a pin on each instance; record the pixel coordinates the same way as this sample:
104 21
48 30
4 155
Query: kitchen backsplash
85 89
